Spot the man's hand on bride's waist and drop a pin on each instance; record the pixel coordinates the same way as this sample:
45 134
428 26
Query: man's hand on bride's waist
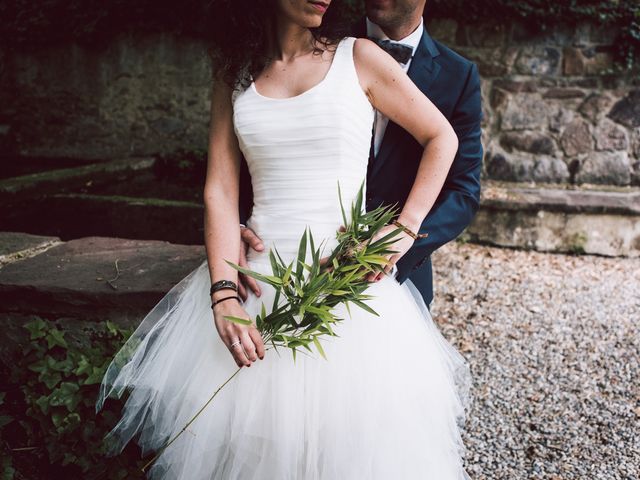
248 240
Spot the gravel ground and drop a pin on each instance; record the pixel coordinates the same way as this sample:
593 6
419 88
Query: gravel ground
554 347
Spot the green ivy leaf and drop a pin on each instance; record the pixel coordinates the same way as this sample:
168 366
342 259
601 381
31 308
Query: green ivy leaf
56 338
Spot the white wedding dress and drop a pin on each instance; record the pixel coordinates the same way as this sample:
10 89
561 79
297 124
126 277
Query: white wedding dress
388 402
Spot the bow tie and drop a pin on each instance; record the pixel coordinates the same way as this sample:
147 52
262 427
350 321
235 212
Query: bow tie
400 51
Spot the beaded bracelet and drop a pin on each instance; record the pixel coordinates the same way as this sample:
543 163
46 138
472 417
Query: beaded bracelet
408 231
223 285
214 303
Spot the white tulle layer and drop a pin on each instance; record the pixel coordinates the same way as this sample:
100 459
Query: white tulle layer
387 404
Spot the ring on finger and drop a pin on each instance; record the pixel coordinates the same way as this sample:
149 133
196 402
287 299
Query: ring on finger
237 342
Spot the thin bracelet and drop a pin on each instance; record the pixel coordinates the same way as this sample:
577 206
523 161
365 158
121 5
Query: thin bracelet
408 231
214 303
222 285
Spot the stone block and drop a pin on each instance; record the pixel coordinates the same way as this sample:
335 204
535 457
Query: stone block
519 168
635 142
576 138
559 117
532 142
627 110
443 30
538 61
492 62
524 112
485 34
605 168
564 93
96 275
587 61
595 106
559 220
15 246
516 86
610 136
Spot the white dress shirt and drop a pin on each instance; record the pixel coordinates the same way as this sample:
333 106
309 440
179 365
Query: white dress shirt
412 40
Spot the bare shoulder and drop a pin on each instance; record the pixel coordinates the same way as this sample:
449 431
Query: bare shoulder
367 54
374 64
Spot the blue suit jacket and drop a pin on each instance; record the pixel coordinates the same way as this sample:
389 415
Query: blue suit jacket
452 83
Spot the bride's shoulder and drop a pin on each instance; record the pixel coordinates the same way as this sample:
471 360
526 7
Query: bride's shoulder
369 57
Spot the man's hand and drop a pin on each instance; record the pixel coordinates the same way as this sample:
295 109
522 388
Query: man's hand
249 240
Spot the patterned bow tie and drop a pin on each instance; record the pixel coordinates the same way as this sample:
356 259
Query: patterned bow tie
400 51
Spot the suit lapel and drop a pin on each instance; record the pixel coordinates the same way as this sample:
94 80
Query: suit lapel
422 71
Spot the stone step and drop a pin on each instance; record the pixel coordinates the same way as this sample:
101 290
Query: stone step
559 220
95 277
51 181
75 215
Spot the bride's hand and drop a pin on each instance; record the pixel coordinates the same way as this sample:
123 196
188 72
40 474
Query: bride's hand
401 246
251 345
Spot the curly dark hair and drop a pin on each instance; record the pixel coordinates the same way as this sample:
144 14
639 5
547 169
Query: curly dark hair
240 33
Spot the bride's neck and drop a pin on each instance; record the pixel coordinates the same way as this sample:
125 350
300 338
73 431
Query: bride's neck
288 40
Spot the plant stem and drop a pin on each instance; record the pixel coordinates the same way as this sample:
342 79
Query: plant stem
150 462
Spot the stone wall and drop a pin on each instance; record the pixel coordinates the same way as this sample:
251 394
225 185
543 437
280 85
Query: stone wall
555 109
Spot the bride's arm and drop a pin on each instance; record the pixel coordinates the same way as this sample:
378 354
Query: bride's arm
392 92
221 225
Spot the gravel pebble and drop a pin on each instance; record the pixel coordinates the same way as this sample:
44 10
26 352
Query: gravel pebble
553 342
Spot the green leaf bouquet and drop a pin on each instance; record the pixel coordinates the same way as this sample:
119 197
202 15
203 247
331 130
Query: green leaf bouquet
307 293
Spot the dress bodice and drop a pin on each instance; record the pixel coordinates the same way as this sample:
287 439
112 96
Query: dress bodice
298 150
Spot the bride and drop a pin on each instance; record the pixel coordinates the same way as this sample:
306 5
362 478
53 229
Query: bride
297 100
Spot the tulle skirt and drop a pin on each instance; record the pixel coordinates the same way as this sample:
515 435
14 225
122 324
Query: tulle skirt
388 403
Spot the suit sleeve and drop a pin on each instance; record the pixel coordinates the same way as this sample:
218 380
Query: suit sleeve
459 199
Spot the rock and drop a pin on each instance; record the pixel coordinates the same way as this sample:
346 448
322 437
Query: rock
94 275
443 30
516 168
610 136
549 170
168 125
498 98
635 142
532 142
484 35
627 110
608 168
559 118
635 173
587 61
492 62
516 86
524 111
576 138
595 106
538 61
564 93
15 246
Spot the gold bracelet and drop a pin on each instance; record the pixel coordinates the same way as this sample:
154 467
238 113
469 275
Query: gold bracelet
408 231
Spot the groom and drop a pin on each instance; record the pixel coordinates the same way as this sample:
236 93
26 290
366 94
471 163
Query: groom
452 83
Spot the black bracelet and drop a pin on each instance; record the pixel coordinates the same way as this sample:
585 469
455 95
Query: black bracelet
214 303
223 285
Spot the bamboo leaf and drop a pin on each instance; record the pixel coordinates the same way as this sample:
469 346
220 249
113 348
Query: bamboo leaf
241 321
319 347
365 307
